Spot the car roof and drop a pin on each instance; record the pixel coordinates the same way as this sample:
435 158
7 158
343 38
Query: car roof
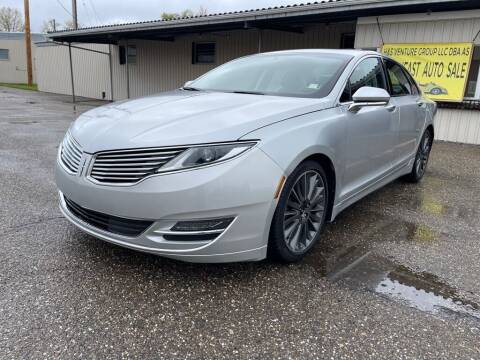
350 52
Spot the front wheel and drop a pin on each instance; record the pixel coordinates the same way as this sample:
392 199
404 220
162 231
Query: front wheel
421 158
300 214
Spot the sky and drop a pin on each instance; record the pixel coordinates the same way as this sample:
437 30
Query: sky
99 12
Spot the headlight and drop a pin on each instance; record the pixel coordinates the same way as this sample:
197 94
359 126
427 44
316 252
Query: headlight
205 155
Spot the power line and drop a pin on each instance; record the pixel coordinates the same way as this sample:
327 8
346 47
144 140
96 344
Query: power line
64 8
95 11
87 12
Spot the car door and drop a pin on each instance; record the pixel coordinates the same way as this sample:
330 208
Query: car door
372 131
406 96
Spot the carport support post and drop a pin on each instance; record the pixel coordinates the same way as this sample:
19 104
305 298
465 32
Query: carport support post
128 72
71 73
111 71
260 38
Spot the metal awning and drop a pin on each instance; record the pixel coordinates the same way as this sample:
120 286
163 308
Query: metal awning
285 18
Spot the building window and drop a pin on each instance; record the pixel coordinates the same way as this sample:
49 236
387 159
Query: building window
203 53
473 83
3 54
347 41
132 54
121 55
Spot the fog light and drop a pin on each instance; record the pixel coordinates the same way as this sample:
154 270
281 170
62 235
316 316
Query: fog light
202 225
196 230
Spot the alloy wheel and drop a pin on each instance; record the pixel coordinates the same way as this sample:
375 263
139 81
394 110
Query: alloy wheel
423 154
303 215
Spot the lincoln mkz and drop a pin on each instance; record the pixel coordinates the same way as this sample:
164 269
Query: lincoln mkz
249 160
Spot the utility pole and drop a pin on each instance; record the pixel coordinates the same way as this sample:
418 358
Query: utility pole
28 42
74 14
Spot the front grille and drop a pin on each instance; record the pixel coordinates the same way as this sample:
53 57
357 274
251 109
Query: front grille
112 224
71 154
126 167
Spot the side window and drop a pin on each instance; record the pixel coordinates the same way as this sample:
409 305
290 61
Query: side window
368 73
415 89
398 79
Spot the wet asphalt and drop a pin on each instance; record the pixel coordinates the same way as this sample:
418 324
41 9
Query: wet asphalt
397 276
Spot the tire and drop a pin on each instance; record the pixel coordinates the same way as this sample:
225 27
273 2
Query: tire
421 158
298 220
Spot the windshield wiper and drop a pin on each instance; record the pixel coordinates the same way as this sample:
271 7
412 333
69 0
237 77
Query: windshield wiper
189 88
248 92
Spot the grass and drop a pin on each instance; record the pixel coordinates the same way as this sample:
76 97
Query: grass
33 87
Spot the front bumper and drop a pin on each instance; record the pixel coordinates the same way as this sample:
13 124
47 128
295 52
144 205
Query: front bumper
242 188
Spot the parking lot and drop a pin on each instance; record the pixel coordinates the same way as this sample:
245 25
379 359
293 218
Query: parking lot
396 276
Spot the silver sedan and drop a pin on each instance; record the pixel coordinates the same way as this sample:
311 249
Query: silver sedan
249 160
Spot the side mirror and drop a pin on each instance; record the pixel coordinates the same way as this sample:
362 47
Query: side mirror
369 96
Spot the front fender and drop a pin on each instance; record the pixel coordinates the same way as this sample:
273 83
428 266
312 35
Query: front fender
290 142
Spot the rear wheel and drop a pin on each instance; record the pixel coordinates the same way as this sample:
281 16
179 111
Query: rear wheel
421 159
300 214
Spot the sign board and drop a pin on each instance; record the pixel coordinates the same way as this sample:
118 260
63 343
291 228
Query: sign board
441 70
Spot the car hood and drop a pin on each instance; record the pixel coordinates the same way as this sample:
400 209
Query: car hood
183 118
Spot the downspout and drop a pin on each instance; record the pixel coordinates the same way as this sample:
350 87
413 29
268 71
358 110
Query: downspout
71 74
111 70
128 72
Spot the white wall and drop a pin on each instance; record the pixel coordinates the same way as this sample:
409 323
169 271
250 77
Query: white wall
163 65
459 26
458 126
14 70
91 70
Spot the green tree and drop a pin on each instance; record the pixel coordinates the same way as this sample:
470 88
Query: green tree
169 16
184 14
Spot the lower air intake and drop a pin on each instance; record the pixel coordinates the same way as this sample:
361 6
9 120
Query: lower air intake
112 224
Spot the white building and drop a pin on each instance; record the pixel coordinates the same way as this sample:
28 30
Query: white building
13 58
137 59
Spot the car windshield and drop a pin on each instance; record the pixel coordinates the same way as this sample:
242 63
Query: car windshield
311 75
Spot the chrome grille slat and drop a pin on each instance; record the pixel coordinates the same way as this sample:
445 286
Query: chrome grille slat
71 157
109 160
71 154
109 164
127 167
72 147
114 154
118 173
72 166
129 179
97 168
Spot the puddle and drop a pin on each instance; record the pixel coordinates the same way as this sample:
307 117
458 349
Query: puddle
423 291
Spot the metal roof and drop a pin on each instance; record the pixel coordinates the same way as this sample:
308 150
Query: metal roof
20 36
287 18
